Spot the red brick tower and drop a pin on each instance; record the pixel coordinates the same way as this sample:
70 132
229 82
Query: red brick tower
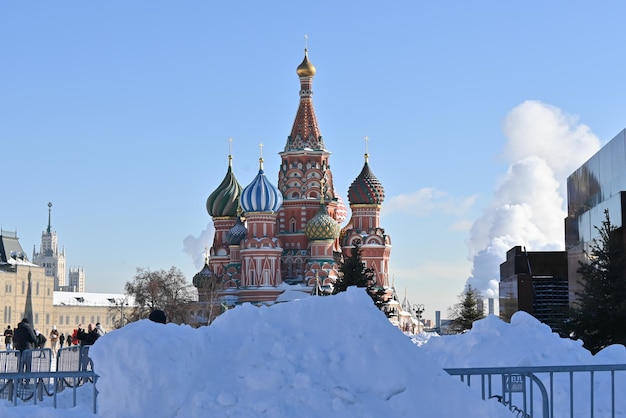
366 195
304 168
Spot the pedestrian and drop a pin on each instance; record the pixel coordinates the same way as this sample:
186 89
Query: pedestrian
54 339
99 329
24 340
8 338
87 337
61 339
41 339
158 316
69 340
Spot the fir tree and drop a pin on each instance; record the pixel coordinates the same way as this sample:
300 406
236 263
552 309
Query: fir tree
466 311
352 271
599 314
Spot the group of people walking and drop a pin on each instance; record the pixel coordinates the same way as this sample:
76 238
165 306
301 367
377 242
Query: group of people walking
24 337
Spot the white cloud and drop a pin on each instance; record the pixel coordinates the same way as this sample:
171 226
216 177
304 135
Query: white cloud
462 225
424 201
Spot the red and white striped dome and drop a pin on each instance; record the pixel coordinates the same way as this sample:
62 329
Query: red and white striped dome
341 213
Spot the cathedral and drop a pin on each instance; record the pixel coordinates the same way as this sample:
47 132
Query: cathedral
269 236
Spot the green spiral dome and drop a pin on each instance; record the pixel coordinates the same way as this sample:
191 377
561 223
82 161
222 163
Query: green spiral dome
322 226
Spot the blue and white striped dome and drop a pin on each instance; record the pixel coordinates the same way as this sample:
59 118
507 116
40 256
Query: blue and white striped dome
261 195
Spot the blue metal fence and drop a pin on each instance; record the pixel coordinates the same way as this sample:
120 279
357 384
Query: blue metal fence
552 391
30 375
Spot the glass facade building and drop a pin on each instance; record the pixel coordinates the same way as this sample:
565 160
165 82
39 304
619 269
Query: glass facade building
599 184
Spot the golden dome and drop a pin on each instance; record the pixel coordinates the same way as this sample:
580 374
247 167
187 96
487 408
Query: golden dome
306 69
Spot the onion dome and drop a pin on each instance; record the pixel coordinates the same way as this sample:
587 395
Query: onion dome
225 199
322 226
261 195
341 213
366 189
237 233
203 277
305 69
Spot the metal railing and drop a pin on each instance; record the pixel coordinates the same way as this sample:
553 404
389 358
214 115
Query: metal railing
31 374
34 385
552 391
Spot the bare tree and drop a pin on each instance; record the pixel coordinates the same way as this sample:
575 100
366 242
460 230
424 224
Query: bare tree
162 289
210 298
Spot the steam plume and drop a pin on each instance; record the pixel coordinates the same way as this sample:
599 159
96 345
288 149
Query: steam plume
195 247
544 146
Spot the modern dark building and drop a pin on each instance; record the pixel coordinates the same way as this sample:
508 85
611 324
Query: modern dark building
535 282
599 184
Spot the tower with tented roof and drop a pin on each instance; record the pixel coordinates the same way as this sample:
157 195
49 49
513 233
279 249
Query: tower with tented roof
366 195
305 166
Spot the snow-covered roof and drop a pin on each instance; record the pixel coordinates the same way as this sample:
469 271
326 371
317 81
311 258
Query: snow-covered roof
293 292
91 299
19 261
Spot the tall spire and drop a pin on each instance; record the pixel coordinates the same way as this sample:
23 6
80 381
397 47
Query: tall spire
305 132
49 211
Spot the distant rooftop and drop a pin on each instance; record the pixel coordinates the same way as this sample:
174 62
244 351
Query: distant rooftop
91 299
11 251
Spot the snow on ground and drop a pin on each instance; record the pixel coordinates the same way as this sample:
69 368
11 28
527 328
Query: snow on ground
332 356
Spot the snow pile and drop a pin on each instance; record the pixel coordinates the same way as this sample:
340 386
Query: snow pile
524 342
317 357
335 356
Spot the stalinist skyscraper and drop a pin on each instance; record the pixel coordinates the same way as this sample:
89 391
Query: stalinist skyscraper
49 256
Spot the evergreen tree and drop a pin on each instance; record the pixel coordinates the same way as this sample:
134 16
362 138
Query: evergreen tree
599 314
352 271
466 311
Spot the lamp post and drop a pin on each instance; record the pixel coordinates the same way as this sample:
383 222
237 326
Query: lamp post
419 310
119 303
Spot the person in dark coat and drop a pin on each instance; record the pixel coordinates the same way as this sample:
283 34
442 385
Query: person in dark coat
89 337
158 316
62 339
24 339
8 338
41 339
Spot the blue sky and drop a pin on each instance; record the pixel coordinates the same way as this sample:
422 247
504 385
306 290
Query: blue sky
119 113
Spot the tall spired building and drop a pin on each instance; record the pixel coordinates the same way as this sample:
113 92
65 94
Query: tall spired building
267 235
49 255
